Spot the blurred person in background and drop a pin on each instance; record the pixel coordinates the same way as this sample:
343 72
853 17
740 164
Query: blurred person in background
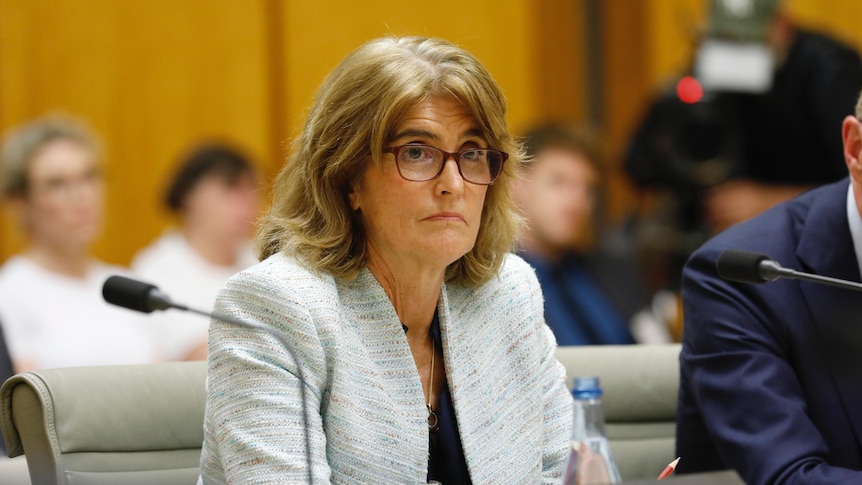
592 296
215 196
51 293
755 123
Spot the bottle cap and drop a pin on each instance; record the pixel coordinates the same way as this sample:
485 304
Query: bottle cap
586 388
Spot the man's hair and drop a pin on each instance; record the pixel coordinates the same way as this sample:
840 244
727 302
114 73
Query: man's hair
568 137
349 125
209 160
22 143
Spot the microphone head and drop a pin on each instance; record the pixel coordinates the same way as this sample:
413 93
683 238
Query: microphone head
742 266
132 294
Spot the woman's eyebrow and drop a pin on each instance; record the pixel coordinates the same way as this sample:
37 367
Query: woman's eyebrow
415 132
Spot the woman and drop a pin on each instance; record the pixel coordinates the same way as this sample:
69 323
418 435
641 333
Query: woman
386 267
214 195
51 293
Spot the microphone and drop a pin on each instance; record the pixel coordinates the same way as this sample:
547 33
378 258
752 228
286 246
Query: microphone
134 295
748 267
144 297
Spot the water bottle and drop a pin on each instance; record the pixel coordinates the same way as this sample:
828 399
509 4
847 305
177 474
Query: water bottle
590 459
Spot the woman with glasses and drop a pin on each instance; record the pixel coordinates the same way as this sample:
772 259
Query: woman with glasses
421 353
51 292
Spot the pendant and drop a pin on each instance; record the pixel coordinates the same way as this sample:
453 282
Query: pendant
433 420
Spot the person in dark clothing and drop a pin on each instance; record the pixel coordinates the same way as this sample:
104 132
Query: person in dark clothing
6 371
591 297
769 374
723 153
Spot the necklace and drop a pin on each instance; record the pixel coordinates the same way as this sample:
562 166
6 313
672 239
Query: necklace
433 420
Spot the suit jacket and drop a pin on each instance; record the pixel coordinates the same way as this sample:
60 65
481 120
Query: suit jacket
771 374
367 406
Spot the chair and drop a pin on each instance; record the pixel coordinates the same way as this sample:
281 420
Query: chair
144 424
136 424
640 384
14 471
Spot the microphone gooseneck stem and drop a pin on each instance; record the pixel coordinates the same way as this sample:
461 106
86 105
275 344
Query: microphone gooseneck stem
826 280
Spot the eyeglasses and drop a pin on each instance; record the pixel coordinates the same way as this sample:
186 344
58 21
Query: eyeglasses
419 163
64 187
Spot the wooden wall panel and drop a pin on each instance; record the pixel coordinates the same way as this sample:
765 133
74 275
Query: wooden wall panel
558 61
150 77
318 35
624 88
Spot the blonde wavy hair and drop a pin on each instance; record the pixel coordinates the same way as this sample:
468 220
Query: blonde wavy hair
351 122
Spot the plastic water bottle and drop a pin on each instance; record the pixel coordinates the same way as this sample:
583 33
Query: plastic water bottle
590 459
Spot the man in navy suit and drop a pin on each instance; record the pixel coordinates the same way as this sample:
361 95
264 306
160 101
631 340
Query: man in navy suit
771 375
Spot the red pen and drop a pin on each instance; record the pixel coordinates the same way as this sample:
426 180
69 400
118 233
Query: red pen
668 470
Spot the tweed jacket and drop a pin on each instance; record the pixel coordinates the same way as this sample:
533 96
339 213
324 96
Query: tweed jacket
365 399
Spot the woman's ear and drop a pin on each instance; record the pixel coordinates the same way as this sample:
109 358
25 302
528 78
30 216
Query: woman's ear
353 198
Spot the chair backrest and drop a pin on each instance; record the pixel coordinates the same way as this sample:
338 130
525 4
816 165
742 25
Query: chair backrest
640 384
131 424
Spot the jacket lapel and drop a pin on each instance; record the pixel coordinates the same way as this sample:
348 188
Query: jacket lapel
380 339
826 248
463 379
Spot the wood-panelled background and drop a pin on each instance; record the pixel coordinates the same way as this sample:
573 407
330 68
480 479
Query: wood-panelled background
153 77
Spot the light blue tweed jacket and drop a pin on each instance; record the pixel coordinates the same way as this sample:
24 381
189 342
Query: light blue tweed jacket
367 404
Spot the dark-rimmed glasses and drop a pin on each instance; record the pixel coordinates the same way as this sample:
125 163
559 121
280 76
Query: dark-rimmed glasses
420 163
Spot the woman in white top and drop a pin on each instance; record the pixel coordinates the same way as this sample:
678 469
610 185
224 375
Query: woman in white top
51 303
214 193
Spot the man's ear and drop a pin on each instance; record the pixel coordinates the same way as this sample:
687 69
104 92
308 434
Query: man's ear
851 134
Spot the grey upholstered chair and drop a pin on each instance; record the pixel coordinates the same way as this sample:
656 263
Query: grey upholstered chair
138 424
144 424
640 385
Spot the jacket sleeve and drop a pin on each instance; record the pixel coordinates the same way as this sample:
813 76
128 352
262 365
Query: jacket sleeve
737 373
254 426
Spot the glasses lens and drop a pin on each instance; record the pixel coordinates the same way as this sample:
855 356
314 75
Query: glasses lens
481 166
419 162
